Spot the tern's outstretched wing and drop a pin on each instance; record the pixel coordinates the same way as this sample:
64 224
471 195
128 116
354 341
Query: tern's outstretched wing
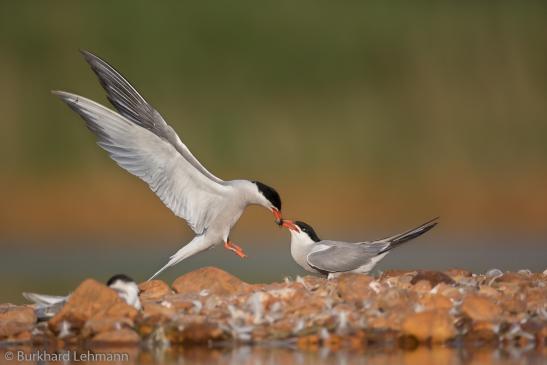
129 103
181 186
332 256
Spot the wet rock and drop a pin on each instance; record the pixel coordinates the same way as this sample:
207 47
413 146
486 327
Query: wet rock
433 277
435 325
193 330
211 280
481 334
354 287
153 290
88 300
480 308
117 337
308 343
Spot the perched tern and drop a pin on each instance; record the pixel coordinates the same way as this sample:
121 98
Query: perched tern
141 142
48 305
335 257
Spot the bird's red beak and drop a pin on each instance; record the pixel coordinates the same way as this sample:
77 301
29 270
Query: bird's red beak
278 216
289 225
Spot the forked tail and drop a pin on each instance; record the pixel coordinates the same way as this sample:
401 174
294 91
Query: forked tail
409 235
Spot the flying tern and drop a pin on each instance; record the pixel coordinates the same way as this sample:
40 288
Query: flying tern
332 258
48 305
139 139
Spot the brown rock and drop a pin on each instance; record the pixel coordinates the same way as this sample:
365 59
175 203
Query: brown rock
422 286
434 277
435 325
100 325
116 316
396 273
118 337
513 277
311 282
435 301
458 274
480 308
449 292
182 302
488 291
16 321
21 314
535 298
10 329
210 279
154 290
354 287
157 313
119 309
199 332
308 343
88 300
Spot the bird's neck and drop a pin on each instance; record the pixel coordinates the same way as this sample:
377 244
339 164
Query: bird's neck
247 192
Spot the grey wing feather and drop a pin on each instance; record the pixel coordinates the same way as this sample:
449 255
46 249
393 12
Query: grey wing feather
180 186
333 256
129 103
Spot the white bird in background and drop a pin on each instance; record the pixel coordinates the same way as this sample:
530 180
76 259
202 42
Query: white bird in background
48 305
336 257
141 142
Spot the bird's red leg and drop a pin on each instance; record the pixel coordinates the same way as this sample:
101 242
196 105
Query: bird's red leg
235 248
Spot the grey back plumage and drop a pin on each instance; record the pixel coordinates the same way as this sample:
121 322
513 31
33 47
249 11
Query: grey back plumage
338 256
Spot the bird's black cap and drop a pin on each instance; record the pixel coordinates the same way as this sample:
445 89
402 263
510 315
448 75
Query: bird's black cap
120 277
304 227
270 194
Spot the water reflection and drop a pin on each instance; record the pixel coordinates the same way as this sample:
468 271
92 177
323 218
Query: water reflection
246 355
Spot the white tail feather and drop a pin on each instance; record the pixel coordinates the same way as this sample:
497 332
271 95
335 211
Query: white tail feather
198 244
43 299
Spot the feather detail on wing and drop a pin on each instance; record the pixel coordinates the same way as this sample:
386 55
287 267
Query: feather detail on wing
129 103
180 185
330 256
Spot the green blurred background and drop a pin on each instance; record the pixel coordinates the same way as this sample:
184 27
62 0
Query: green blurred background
369 118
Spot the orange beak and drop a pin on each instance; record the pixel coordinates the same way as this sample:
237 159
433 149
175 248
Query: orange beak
278 216
290 225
